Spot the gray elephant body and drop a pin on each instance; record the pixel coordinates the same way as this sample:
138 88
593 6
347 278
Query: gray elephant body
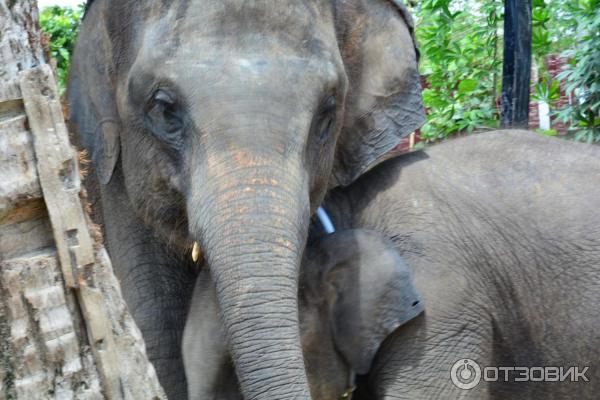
502 232
354 291
224 122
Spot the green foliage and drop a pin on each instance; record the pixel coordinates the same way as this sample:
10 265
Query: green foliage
460 45
61 24
545 41
547 132
547 91
540 35
562 26
582 75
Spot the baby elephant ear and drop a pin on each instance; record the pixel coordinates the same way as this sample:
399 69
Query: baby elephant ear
373 293
384 103
91 94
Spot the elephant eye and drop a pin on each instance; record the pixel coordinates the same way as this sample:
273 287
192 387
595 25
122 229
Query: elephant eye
325 128
163 117
326 119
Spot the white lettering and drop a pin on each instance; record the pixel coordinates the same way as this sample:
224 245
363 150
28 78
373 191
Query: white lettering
540 374
581 374
525 378
506 371
564 376
552 374
486 376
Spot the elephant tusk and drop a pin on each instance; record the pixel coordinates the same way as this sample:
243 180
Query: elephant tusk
196 252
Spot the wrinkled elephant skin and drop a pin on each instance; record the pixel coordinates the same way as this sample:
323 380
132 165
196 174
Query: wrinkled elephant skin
502 233
224 122
355 290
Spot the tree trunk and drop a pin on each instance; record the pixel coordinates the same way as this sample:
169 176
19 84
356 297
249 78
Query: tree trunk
516 69
65 332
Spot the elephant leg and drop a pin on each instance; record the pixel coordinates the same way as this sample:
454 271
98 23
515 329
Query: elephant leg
156 286
208 365
158 299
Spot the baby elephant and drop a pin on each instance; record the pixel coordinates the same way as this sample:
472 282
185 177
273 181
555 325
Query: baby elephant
354 291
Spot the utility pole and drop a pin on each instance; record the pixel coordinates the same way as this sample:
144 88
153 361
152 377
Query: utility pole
516 72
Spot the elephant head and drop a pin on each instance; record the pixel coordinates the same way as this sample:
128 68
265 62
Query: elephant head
355 290
226 121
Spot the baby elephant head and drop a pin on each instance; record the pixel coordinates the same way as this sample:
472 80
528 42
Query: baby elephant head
355 290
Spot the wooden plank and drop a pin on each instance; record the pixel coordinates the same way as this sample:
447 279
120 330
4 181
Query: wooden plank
31 235
119 353
134 374
58 172
19 184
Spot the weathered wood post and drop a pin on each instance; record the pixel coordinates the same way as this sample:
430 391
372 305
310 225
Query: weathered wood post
65 332
517 63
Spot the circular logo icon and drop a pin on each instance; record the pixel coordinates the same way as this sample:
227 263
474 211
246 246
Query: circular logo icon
465 374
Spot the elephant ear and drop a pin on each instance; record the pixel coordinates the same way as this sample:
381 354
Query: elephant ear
91 94
370 292
384 103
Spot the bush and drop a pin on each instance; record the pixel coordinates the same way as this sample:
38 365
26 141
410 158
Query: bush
61 24
461 44
462 61
582 75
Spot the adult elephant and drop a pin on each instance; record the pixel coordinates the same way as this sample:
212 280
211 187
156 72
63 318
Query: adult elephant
502 232
223 123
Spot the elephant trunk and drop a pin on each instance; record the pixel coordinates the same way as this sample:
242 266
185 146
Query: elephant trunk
251 221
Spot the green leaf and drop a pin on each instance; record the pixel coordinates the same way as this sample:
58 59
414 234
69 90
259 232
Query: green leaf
64 53
467 85
550 132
